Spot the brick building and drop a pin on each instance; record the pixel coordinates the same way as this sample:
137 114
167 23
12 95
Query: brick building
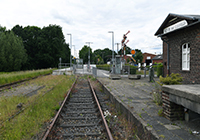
147 58
157 59
181 46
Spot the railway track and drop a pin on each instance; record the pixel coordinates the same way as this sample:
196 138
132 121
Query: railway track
18 83
80 116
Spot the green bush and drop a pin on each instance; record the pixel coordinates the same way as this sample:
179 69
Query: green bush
159 70
173 79
103 67
133 69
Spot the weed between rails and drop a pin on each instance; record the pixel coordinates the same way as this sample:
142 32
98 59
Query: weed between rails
120 128
41 109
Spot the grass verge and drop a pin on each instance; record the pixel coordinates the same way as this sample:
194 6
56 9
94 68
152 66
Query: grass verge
10 77
40 109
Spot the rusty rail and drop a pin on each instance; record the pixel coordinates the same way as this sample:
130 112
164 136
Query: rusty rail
101 112
55 118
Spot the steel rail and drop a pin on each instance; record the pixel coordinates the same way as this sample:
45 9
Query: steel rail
56 117
101 112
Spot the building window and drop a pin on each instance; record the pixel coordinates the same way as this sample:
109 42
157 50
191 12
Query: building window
186 56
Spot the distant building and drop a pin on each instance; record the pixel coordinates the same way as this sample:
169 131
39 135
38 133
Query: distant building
157 59
181 46
147 58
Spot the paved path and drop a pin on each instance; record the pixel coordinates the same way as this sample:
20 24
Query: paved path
136 94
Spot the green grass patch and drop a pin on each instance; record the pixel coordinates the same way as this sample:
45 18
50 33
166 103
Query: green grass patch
10 77
42 107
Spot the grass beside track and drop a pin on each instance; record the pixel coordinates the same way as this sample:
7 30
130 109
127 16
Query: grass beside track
40 108
10 77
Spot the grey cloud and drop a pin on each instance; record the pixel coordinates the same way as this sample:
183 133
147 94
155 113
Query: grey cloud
61 17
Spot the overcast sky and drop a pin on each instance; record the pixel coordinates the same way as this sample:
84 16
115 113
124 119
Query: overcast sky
90 20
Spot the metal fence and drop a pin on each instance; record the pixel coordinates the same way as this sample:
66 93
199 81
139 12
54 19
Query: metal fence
155 70
63 65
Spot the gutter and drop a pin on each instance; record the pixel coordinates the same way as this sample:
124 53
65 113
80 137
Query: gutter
167 55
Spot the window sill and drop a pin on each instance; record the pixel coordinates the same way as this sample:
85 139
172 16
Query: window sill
186 70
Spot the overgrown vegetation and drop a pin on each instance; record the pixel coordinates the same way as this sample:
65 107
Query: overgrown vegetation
173 79
133 69
120 128
9 77
168 80
160 113
158 67
40 108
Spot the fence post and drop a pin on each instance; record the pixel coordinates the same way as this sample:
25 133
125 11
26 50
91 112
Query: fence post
94 72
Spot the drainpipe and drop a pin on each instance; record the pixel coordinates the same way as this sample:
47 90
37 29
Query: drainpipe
167 55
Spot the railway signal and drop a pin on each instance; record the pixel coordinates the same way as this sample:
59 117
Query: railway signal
123 42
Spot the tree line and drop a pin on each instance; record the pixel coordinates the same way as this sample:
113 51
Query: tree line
31 47
102 56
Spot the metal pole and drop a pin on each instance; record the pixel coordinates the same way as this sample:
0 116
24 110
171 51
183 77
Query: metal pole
112 48
112 44
89 54
70 49
117 47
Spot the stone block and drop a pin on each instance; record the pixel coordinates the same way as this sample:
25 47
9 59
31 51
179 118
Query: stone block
134 77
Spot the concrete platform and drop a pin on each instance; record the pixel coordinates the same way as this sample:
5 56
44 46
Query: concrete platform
186 95
133 99
67 71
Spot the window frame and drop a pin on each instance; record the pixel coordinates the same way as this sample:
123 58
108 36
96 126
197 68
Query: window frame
185 48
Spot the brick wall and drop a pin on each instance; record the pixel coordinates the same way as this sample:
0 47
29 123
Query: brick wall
171 110
157 61
165 58
176 39
145 55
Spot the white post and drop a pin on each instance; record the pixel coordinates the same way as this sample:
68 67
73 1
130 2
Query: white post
139 65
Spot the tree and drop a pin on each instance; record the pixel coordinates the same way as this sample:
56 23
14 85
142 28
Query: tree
98 59
138 56
128 50
84 52
12 52
52 46
44 46
107 54
2 29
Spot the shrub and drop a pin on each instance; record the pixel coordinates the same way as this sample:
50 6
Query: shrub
133 69
173 79
103 67
159 70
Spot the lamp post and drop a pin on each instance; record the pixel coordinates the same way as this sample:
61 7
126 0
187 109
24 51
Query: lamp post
70 49
74 52
112 44
112 49
89 54
117 47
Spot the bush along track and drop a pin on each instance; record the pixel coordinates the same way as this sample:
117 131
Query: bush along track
39 110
